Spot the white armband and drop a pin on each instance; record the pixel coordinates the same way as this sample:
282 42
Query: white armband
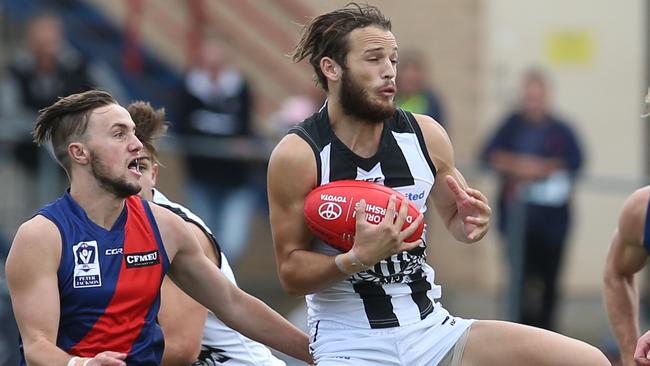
349 263
78 361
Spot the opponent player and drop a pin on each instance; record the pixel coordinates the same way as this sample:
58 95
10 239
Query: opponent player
627 255
188 334
85 272
376 304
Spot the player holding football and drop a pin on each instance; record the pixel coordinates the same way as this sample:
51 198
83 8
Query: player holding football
376 304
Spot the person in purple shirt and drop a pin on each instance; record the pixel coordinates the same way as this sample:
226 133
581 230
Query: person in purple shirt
537 155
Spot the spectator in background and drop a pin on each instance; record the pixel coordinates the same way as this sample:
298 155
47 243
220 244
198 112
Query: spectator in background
217 106
538 153
38 75
413 91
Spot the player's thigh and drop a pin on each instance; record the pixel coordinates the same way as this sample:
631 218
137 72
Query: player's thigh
498 343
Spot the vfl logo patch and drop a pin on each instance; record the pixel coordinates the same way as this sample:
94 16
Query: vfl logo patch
135 260
86 265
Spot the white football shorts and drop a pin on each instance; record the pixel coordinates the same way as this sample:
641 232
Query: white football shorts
425 343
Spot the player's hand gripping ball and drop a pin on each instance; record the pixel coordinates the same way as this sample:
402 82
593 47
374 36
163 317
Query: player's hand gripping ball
330 210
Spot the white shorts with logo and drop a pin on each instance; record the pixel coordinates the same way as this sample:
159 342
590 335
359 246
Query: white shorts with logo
421 344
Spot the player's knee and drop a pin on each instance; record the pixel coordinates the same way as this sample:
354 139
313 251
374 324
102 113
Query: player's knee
594 357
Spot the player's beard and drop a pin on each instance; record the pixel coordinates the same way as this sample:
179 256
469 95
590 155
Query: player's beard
356 102
118 186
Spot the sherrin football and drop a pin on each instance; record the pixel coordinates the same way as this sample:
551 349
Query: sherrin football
330 210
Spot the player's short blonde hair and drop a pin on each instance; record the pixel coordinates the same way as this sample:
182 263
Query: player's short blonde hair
67 120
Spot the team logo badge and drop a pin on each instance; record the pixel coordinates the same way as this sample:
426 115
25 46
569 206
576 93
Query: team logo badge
330 210
86 265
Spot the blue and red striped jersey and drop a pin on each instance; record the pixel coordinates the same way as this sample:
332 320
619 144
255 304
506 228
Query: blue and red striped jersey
109 282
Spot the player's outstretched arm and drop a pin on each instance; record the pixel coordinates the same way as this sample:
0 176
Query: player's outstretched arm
195 274
465 210
31 269
626 257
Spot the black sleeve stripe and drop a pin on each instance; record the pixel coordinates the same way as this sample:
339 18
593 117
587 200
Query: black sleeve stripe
300 131
186 218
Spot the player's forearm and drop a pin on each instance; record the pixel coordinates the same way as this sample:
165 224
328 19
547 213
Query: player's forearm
256 320
621 299
306 272
42 352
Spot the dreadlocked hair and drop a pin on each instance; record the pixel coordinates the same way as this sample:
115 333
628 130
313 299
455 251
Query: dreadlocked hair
326 35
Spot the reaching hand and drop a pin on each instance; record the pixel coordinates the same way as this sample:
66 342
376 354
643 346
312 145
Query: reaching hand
641 353
373 243
473 210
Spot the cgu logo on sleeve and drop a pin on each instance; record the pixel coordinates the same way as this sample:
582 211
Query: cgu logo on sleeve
86 265
135 260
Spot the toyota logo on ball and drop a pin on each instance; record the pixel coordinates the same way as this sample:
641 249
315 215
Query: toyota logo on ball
330 211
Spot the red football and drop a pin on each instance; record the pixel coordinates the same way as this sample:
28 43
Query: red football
330 210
